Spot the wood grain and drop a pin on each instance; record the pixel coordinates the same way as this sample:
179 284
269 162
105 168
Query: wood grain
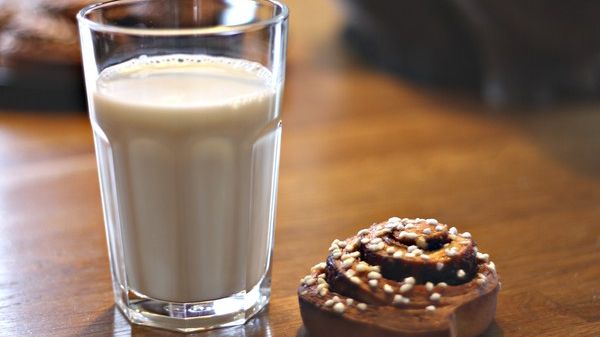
358 146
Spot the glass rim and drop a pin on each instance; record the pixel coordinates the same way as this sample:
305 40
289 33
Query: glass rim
210 30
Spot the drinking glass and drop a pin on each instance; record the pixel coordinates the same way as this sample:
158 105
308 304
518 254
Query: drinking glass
184 100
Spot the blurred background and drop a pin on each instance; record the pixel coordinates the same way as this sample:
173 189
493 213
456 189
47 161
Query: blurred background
533 54
40 61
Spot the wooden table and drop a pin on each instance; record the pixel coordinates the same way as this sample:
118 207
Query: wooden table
358 146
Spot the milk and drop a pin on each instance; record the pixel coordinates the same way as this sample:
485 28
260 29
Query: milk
188 150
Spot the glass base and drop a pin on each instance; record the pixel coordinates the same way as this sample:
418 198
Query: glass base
196 316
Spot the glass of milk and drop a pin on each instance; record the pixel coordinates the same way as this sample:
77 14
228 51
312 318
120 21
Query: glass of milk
184 99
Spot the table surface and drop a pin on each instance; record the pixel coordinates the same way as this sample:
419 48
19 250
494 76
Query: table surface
358 146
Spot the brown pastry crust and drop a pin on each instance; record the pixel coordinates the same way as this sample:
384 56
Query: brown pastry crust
436 244
39 32
65 8
32 37
379 283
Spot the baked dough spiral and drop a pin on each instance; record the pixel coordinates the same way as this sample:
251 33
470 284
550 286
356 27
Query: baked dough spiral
401 277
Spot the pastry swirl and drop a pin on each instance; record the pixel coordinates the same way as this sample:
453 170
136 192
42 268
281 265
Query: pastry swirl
402 277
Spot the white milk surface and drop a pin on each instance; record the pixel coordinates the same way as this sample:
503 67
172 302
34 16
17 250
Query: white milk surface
188 149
